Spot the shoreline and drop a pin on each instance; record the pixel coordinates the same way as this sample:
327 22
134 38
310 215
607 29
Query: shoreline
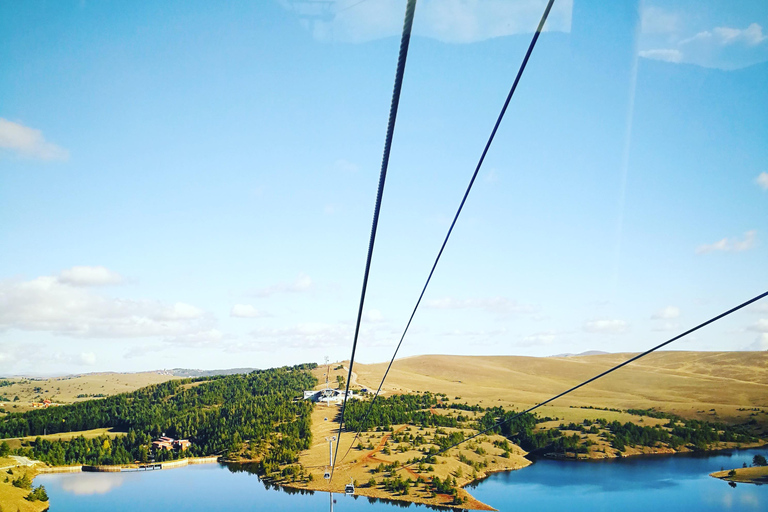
648 451
122 468
754 475
473 503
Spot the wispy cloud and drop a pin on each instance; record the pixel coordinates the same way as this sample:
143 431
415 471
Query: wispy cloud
720 47
302 283
606 326
51 305
247 311
665 326
758 307
666 313
28 142
345 166
752 35
730 244
760 343
36 355
762 180
453 21
759 326
544 338
666 54
373 316
89 276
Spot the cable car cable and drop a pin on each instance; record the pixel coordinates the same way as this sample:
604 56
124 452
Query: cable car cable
403 55
461 206
603 374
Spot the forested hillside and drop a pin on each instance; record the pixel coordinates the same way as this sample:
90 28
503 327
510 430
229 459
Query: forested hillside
217 414
526 430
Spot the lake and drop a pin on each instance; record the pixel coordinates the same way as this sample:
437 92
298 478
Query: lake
657 483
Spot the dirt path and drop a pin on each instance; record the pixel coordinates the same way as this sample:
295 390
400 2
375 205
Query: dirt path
24 461
371 456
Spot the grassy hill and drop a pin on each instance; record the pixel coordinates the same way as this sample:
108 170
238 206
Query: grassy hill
74 388
702 385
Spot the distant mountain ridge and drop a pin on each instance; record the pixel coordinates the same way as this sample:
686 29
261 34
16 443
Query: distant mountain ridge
188 372
587 353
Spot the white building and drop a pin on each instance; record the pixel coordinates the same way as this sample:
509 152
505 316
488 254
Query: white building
327 395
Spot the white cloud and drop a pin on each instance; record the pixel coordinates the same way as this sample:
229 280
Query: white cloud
50 305
760 326
730 244
246 311
197 339
89 276
666 326
752 35
36 355
721 47
759 307
666 54
656 20
606 326
762 180
453 21
760 343
28 142
302 283
500 306
539 338
319 335
373 316
307 335
88 358
667 313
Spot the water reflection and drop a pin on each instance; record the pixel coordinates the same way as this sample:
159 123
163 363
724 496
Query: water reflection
675 483
83 484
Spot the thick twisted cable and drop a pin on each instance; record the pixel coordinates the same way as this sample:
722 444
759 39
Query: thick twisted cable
403 55
458 212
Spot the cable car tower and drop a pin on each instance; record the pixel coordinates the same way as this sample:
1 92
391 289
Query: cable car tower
327 474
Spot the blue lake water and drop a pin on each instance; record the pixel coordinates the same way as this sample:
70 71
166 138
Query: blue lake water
648 484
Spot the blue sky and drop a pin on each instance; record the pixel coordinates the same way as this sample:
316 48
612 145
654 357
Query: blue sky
186 184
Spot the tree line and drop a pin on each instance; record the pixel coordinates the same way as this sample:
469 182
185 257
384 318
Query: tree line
217 414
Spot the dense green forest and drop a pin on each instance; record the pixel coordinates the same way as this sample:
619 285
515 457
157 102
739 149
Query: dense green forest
524 430
398 410
217 414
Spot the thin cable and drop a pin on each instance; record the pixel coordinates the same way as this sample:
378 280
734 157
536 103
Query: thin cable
403 55
461 206
574 388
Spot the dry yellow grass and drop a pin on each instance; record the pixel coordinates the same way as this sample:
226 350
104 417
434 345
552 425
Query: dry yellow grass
756 475
12 498
65 390
360 464
723 386
690 384
15 442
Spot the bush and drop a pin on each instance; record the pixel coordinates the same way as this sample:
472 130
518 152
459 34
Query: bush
38 494
23 482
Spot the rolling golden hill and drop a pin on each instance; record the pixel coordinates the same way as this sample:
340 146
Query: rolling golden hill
691 384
